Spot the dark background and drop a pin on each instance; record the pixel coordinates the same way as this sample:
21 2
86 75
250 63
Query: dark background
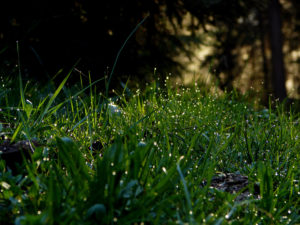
54 35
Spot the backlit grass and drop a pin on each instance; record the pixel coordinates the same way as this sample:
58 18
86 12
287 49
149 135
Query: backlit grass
145 158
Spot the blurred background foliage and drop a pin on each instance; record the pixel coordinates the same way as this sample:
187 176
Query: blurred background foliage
250 45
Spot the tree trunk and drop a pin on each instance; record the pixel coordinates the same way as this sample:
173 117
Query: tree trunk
278 70
265 66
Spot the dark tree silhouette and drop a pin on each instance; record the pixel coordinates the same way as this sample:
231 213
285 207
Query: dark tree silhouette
278 70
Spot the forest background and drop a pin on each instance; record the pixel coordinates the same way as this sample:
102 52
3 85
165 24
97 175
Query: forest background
252 46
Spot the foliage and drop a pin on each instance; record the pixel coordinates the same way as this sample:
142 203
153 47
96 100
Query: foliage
148 158
53 37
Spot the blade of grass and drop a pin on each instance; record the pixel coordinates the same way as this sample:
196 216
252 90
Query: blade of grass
53 97
20 78
16 132
186 192
117 57
78 93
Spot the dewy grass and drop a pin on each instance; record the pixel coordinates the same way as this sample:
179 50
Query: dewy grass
150 159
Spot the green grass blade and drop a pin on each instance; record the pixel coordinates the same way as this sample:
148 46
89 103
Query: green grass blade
53 97
119 52
186 192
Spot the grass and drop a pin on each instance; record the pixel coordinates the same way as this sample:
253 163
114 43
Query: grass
145 159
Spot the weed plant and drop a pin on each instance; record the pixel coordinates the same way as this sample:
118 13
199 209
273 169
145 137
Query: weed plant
145 159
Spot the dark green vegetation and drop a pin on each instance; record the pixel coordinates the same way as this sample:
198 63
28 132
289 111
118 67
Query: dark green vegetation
145 158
